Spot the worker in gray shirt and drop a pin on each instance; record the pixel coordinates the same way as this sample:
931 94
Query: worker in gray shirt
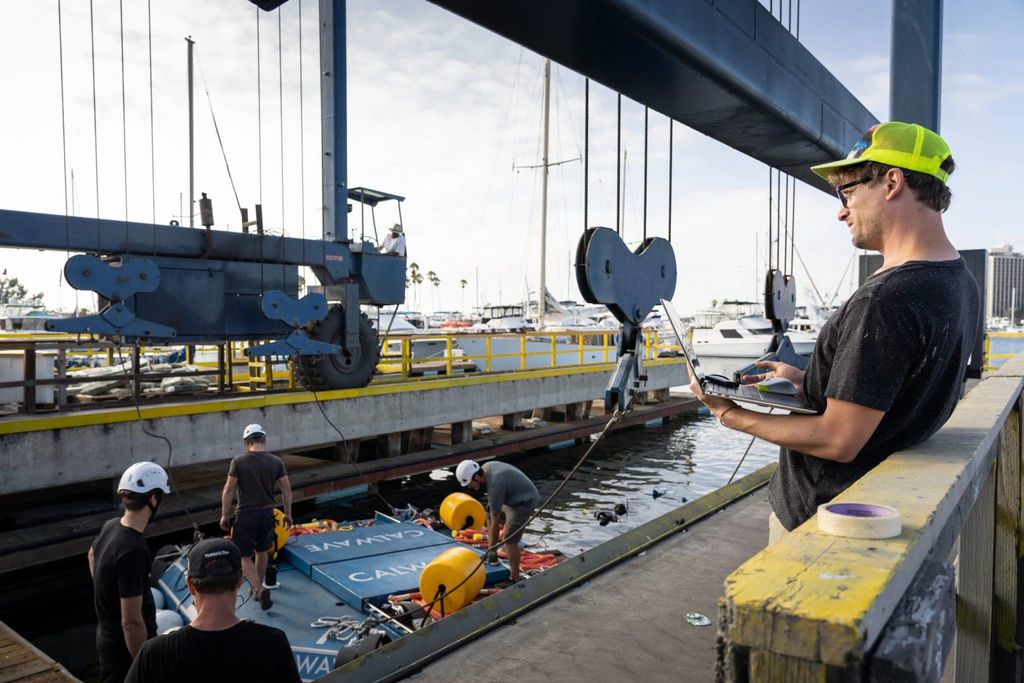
510 494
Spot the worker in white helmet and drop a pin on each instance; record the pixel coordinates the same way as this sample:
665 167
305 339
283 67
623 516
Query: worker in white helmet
511 497
252 479
120 562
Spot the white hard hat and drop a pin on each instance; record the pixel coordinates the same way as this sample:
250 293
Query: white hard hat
253 429
143 477
465 471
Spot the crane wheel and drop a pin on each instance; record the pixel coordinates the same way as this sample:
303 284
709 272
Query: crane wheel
347 370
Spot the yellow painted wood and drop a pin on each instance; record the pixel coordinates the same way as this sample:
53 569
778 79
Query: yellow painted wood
825 599
770 666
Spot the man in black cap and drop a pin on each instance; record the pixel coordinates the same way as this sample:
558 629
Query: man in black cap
217 646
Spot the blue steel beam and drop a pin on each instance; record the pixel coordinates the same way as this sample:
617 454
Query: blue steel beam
916 63
727 69
23 229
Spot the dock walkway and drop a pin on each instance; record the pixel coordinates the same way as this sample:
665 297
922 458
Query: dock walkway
627 624
581 622
21 662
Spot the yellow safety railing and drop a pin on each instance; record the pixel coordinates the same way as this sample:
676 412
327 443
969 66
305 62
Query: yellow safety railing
995 336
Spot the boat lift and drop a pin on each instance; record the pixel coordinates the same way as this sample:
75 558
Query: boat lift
166 284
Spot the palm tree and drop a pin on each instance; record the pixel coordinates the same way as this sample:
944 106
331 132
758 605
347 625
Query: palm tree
436 281
415 279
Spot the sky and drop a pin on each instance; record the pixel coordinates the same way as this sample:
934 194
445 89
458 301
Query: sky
448 115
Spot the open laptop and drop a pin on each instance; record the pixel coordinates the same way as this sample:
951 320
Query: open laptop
714 385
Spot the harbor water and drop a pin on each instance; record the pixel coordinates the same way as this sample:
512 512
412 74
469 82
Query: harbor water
650 469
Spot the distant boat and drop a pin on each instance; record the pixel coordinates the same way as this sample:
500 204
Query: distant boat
25 316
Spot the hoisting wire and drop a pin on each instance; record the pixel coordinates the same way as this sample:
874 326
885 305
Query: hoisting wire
344 441
670 156
95 127
64 133
646 110
280 104
124 129
152 135
792 228
618 169
617 416
586 149
778 219
785 229
302 150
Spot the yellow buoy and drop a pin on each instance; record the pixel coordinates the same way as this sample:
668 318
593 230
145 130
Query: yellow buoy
448 570
461 511
280 534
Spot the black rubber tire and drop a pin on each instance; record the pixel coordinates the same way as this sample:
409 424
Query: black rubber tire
339 370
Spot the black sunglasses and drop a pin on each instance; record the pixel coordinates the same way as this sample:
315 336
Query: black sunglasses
847 186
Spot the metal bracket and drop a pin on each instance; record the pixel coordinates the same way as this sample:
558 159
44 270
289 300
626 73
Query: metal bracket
296 343
115 319
117 283
625 382
277 305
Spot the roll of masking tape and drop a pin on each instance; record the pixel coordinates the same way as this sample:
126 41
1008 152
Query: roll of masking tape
859 520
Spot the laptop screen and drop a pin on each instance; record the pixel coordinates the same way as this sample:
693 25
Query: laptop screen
684 339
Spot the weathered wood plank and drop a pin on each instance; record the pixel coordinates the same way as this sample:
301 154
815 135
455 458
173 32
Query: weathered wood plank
1007 546
914 645
974 587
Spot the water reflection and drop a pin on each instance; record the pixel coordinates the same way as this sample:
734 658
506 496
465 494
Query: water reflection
651 469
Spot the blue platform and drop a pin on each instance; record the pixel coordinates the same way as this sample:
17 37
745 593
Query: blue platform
306 552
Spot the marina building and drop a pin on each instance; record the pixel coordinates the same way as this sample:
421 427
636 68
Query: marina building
1005 282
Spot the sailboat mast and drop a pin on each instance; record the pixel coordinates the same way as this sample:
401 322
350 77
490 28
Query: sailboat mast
544 196
191 140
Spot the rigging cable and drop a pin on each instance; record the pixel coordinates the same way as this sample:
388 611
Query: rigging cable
216 130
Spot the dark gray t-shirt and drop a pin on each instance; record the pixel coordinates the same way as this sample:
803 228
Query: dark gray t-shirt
506 485
900 344
257 472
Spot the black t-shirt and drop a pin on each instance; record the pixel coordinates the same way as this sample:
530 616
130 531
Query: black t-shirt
121 567
257 473
900 344
246 653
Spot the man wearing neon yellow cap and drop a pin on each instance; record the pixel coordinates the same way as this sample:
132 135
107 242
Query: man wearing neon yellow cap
888 367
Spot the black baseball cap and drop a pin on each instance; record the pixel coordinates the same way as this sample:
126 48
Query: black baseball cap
207 551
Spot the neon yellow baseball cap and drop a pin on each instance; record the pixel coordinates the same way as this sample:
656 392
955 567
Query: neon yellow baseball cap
904 145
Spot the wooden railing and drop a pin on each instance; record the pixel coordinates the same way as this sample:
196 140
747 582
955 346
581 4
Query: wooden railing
819 607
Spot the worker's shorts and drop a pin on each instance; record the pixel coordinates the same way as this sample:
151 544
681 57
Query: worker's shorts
516 517
254 530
